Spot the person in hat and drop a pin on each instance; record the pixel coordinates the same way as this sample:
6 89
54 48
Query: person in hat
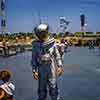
46 63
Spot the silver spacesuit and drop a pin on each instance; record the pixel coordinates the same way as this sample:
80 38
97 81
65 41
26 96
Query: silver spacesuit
45 58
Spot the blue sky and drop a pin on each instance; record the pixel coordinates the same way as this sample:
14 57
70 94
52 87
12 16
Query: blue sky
22 15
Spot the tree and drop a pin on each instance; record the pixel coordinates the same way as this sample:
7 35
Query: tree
54 35
89 33
97 33
78 33
60 35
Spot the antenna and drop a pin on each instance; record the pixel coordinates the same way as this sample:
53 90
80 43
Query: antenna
39 16
39 19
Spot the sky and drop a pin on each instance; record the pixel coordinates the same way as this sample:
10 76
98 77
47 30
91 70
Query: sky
23 15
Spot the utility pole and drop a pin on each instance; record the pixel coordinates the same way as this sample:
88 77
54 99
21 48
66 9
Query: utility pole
39 17
3 17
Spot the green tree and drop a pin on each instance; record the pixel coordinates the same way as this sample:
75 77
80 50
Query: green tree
89 33
78 33
60 35
97 33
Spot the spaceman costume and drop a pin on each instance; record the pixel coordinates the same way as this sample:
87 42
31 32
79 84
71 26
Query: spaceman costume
45 58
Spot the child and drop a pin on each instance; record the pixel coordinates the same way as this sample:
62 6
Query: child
45 58
6 88
61 47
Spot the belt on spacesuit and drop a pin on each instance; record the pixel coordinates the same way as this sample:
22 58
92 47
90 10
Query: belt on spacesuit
45 59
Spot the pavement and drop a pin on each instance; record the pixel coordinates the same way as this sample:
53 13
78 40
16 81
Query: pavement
80 80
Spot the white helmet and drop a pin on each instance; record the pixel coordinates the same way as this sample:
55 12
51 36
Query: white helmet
42 27
41 31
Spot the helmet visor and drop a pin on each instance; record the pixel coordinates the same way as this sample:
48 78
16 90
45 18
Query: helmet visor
43 35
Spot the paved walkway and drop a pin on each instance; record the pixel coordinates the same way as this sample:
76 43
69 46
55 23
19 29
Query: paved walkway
80 81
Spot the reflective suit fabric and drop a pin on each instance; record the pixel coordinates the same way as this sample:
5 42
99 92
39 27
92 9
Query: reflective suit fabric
61 47
47 71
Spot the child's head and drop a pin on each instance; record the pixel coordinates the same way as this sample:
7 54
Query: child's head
62 41
5 75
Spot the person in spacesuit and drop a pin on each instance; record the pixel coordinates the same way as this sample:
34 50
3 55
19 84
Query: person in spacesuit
7 88
46 63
